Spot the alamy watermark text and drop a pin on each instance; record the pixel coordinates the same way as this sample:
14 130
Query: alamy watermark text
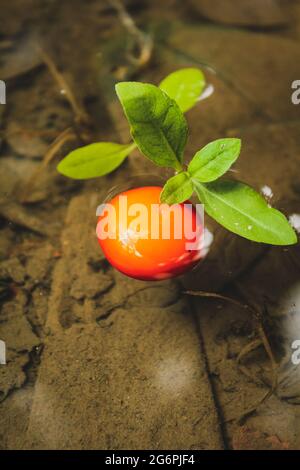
2 92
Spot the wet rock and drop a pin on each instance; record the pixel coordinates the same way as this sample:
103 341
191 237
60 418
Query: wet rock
249 74
19 60
11 178
257 13
12 269
17 175
17 215
24 143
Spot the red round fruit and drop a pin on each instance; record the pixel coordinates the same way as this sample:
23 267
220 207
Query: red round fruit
146 239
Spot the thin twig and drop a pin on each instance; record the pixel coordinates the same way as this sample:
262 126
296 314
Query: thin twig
29 133
144 42
200 293
67 135
249 348
244 416
81 116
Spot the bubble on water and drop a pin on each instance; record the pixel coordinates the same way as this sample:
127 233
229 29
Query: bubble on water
206 243
294 220
208 91
267 191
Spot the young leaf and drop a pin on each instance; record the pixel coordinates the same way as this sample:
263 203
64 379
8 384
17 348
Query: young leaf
213 160
177 189
184 86
243 211
94 160
158 127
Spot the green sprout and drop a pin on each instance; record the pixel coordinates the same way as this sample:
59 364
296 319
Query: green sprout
159 130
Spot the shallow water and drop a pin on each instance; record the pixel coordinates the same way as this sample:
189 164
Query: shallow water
94 359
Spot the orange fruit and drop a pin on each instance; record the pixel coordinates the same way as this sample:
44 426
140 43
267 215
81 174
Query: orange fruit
150 243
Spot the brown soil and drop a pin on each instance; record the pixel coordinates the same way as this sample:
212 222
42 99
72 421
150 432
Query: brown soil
94 359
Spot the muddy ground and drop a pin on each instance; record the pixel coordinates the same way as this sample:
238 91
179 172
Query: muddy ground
96 360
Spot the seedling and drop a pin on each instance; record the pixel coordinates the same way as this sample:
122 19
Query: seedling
159 130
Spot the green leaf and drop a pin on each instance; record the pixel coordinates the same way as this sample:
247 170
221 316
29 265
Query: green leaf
184 86
214 159
177 189
158 127
243 211
94 160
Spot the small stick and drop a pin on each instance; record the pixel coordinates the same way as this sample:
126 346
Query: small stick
143 40
81 116
200 293
29 133
241 419
67 135
250 347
